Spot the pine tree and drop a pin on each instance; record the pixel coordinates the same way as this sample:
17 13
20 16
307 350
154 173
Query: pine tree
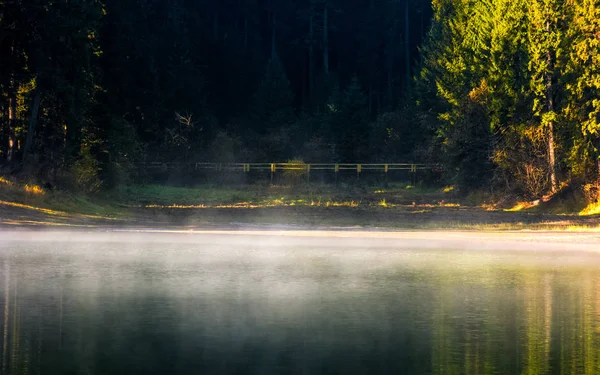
273 101
583 83
545 46
351 124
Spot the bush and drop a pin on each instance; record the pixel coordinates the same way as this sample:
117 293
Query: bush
522 161
298 175
84 172
591 192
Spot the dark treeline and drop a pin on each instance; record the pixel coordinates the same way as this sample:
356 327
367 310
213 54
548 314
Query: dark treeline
90 88
503 93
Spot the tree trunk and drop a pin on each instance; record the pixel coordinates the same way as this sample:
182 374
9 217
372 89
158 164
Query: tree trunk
311 79
326 40
246 34
273 36
406 43
550 107
216 26
12 124
35 107
598 168
370 96
551 158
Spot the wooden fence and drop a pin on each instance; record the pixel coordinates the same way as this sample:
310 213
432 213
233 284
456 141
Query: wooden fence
304 169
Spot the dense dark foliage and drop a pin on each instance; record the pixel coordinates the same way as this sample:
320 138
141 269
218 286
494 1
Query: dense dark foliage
503 93
90 88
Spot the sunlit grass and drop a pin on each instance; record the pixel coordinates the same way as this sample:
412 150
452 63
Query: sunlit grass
448 189
591 209
34 190
449 205
4 181
30 207
261 204
317 204
520 206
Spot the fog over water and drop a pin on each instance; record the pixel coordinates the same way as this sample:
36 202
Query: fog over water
299 302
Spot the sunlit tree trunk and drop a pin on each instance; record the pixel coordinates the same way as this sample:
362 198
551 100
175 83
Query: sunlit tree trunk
12 111
549 93
12 124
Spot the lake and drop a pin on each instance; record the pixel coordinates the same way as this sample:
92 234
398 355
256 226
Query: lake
229 303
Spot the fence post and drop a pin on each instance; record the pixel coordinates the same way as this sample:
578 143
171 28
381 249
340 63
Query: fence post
272 172
386 169
358 170
308 173
337 169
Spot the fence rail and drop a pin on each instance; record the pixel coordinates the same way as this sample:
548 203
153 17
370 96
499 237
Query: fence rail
303 168
276 167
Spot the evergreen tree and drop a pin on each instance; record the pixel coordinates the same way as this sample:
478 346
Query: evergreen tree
350 124
273 101
582 84
545 45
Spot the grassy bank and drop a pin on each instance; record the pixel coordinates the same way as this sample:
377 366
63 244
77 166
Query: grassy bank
398 206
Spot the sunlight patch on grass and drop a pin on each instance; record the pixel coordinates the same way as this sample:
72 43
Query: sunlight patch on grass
444 204
591 209
4 181
34 190
341 204
52 212
29 207
448 189
264 204
520 206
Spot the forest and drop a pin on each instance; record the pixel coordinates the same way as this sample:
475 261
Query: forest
503 94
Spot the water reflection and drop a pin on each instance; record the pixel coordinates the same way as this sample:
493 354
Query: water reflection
150 310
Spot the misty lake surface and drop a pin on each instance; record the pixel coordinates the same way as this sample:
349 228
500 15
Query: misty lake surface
160 303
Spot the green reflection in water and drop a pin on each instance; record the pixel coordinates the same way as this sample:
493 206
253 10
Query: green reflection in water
479 320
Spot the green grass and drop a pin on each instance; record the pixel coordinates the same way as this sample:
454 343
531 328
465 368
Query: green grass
264 195
33 197
172 195
399 206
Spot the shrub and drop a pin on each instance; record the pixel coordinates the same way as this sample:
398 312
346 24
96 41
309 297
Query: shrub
84 172
591 192
297 175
